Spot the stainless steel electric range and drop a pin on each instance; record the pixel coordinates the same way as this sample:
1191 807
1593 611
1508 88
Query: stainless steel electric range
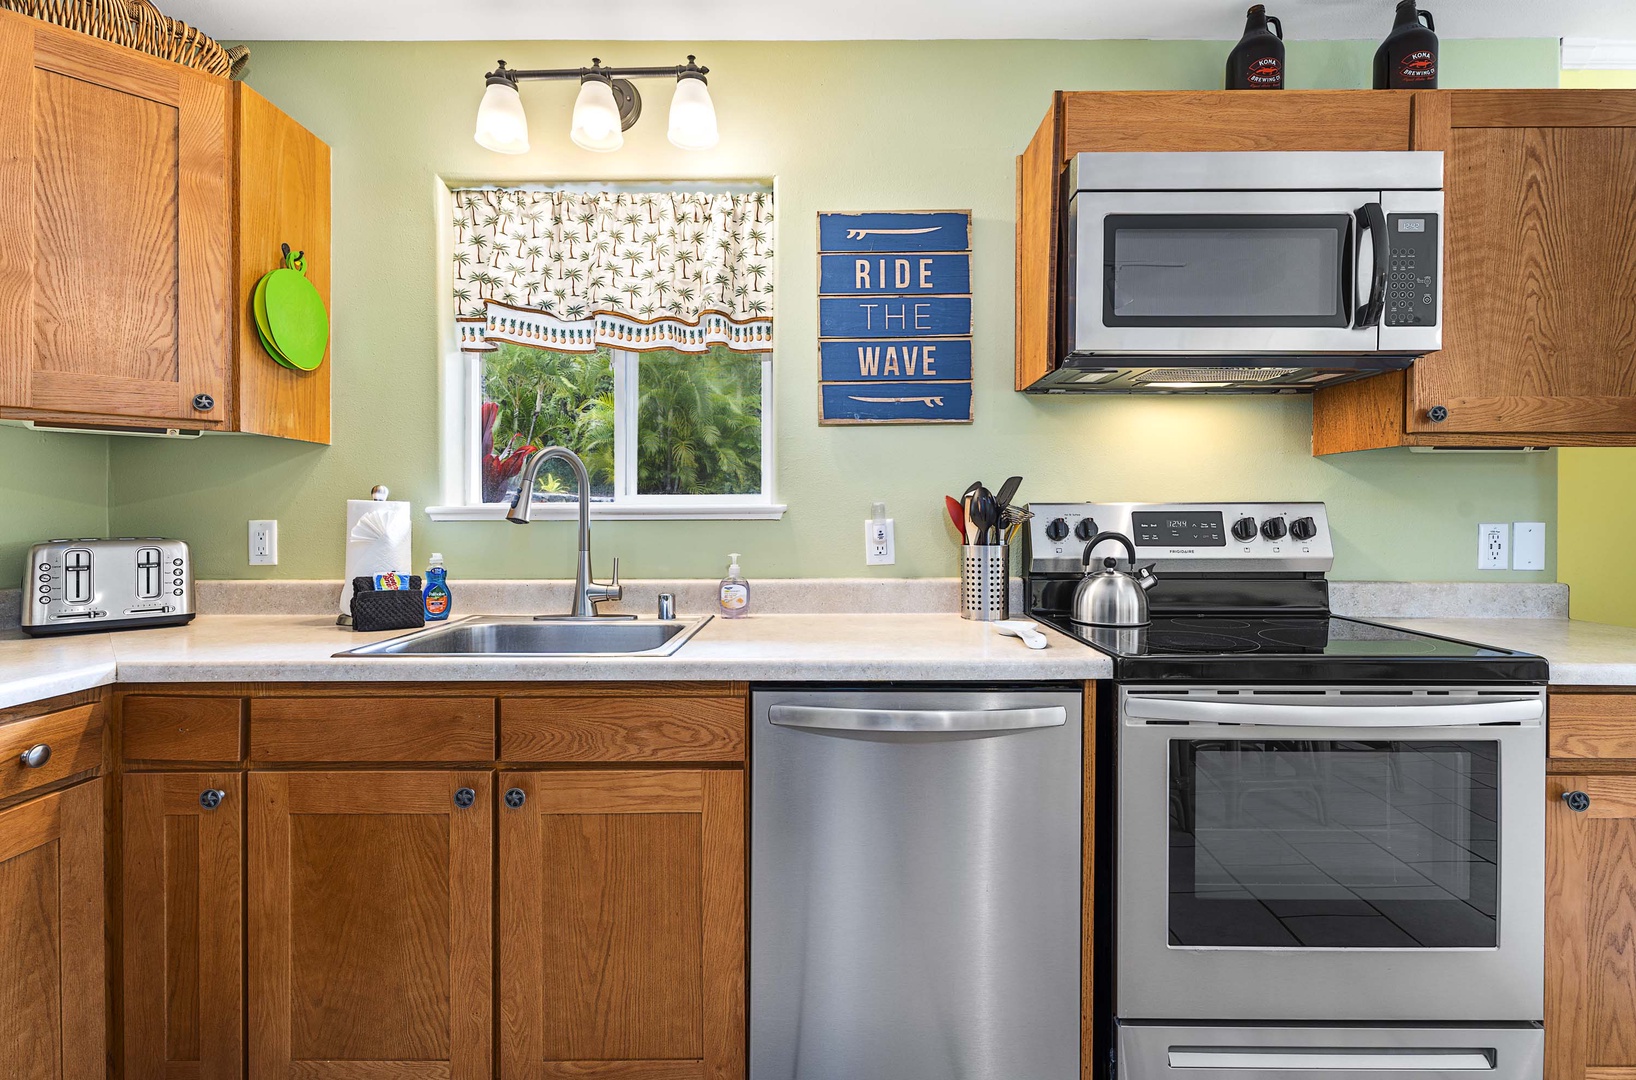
1323 836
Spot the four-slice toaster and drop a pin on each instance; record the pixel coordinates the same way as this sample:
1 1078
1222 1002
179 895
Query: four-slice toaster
73 586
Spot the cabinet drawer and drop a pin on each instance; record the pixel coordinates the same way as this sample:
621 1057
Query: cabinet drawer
372 729
622 728
1590 726
74 737
155 728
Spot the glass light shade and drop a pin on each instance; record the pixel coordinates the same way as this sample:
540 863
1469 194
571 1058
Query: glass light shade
501 124
596 118
692 115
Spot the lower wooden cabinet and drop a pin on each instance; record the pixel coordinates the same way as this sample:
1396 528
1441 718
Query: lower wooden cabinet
369 914
621 910
53 998
183 984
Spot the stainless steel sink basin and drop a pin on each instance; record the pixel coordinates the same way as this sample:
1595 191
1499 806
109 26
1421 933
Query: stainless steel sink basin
524 636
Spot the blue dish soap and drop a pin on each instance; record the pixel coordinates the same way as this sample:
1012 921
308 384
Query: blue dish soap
436 596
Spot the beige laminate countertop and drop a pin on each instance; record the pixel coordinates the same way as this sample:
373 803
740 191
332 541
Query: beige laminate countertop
828 647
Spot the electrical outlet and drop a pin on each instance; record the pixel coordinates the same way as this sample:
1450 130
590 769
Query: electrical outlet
1492 541
264 543
1528 545
878 549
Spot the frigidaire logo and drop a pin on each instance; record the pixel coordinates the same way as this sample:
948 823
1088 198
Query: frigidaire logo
1266 71
1421 64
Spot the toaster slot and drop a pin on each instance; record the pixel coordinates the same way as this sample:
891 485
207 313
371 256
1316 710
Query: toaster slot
76 564
147 573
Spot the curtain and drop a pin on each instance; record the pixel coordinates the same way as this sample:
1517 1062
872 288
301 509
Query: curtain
575 270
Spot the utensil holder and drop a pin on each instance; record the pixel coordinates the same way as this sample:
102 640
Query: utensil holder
985 582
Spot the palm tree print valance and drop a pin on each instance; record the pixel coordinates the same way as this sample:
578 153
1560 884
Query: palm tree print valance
575 270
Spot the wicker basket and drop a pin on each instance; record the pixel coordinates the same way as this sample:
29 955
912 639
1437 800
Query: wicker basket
137 24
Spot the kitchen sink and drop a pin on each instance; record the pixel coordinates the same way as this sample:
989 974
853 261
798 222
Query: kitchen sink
524 636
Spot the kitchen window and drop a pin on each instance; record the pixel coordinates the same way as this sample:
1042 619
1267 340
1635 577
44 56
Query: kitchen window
632 327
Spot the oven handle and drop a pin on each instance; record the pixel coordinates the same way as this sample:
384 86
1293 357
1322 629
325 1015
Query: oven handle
1262 1059
924 720
1464 714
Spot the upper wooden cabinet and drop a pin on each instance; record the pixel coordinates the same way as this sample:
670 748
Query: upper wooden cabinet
1539 340
140 201
115 219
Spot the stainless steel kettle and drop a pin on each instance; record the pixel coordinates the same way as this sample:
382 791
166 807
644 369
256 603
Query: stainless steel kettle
1109 596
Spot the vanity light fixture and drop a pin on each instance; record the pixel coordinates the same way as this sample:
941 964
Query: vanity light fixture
608 104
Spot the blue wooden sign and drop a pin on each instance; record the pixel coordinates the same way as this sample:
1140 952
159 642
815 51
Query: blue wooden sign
894 317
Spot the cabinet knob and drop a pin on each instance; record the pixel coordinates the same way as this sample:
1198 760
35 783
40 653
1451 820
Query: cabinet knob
465 797
35 756
203 402
1437 413
1577 801
515 797
211 798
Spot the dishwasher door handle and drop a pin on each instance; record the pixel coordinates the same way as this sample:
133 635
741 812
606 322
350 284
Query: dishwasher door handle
922 720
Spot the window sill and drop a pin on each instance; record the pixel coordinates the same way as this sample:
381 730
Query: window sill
610 512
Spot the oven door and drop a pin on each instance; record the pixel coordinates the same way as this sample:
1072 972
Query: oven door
1241 273
1368 854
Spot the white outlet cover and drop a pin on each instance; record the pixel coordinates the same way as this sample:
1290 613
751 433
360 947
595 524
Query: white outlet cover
1493 543
264 543
878 548
1528 545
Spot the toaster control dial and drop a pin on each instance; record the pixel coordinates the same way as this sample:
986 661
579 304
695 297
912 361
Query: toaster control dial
1244 529
1273 528
1303 528
1085 529
1057 530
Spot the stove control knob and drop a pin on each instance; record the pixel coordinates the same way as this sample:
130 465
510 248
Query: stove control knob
1084 530
1303 528
1057 530
1273 528
1244 529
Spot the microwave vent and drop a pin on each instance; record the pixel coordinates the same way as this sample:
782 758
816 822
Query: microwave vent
1212 375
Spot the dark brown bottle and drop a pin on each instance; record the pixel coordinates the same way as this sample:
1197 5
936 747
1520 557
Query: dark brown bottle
1407 59
1257 61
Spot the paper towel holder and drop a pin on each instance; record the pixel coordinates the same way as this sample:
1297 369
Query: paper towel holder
378 493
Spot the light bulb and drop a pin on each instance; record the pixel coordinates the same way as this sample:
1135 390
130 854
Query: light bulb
596 118
692 115
501 124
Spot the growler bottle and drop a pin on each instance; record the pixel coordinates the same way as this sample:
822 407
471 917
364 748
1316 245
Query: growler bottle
1407 59
1257 61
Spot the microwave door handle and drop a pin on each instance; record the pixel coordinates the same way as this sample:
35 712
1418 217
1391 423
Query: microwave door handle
1371 218
1465 714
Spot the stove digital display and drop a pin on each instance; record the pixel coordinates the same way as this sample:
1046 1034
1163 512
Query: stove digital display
1195 529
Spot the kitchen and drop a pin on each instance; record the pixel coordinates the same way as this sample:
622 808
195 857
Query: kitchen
811 121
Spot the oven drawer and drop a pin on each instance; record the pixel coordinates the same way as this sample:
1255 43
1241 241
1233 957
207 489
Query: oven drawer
1279 1052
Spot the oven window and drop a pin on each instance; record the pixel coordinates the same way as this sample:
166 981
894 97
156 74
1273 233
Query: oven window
1226 269
1334 845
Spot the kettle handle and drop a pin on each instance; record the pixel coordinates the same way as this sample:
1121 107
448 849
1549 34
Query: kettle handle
1085 559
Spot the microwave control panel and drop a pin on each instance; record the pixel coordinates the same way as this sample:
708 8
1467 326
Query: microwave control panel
1411 283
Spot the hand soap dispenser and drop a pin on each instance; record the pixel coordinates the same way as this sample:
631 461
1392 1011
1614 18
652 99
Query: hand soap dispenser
734 593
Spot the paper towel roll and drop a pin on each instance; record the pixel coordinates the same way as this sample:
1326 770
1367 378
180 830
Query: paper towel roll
377 541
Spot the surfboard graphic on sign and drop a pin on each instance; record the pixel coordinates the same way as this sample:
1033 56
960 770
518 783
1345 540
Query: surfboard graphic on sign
894 317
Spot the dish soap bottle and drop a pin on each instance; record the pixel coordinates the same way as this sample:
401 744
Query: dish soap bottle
436 597
1407 59
734 592
1257 61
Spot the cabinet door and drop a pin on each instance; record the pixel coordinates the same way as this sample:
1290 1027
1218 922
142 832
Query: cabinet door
370 913
1590 923
114 231
622 925
1540 254
52 997
183 913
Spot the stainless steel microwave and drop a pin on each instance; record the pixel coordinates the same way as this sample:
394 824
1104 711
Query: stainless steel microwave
1260 271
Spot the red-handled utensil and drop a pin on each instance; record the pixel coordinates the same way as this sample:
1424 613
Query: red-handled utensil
957 514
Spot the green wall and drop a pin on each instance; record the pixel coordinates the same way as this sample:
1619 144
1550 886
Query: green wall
838 125
51 485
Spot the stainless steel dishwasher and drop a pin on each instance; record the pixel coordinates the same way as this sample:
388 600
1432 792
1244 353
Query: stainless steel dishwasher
915 884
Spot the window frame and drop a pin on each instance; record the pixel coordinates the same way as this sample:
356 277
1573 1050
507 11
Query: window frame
461 397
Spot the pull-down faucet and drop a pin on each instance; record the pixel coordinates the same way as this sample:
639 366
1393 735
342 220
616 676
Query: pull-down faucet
587 592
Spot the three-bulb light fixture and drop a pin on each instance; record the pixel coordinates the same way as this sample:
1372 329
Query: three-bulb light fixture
607 106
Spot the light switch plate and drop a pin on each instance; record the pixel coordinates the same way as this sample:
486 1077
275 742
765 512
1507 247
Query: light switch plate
1492 542
264 543
1528 545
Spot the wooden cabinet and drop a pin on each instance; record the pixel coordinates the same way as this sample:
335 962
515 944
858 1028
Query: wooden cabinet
140 201
1539 347
53 997
115 231
622 925
370 899
183 1000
